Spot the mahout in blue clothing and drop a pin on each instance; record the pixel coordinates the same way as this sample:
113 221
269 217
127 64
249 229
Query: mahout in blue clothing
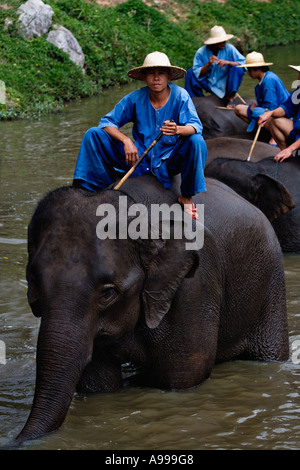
106 154
270 91
215 67
284 123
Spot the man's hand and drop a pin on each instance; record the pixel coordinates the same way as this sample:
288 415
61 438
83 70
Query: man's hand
213 59
263 118
222 62
169 128
131 152
285 153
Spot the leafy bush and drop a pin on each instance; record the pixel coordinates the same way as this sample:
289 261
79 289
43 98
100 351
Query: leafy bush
39 77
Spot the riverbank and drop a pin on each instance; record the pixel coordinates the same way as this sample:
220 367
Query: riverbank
39 78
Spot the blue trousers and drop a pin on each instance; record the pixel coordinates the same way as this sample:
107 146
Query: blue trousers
195 87
101 161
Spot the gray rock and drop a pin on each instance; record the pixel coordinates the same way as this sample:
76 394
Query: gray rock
35 18
64 40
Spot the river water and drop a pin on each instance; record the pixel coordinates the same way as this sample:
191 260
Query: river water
244 405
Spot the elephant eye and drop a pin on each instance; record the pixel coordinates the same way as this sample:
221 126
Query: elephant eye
108 295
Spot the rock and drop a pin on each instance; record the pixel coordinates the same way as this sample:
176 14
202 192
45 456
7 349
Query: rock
64 40
35 18
7 23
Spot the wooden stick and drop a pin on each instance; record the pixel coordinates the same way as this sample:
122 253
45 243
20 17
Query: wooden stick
239 96
126 176
222 107
254 141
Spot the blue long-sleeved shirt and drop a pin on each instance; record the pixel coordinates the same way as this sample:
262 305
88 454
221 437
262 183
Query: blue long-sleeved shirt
216 76
292 110
270 92
147 121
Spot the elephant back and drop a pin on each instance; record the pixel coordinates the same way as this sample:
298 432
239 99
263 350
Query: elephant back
148 190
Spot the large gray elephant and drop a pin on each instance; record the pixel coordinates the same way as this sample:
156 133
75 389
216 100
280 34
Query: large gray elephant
171 311
223 122
268 185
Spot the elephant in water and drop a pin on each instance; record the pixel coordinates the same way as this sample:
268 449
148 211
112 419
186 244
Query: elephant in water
223 122
268 185
171 309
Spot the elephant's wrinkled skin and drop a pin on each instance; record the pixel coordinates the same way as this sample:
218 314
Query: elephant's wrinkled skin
238 149
272 187
223 122
173 312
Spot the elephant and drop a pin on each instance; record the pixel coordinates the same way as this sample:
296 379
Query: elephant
170 311
266 184
223 122
238 149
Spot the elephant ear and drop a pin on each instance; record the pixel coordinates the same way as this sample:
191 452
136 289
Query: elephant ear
167 263
271 197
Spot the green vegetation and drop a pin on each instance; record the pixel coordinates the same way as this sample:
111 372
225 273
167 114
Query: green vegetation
39 78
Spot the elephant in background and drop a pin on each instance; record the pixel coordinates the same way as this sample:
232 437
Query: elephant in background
271 186
238 149
170 311
223 123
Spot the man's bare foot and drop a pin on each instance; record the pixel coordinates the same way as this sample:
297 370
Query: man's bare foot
188 206
230 103
272 142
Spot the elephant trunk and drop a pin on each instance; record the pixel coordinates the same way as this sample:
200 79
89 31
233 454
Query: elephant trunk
63 350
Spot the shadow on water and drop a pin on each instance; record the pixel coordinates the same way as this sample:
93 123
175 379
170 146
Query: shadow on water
244 405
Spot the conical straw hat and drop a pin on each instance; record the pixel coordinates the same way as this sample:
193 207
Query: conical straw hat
156 59
218 34
295 67
255 59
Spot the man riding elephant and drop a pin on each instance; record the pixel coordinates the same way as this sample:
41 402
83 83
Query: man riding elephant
106 153
215 67
284 123
270 91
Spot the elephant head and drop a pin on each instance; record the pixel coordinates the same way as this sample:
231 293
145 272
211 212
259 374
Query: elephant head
251 181
90 294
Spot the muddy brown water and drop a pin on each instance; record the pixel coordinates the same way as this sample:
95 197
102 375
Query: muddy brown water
244 405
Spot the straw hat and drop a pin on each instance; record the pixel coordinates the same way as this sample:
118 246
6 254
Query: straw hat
255 59
218 34
295 67
156 59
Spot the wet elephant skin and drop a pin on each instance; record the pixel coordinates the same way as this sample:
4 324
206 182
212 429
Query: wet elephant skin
271 186
170 311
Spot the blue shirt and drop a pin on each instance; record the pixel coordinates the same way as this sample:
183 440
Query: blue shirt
292 110
147 121
270 92
216 76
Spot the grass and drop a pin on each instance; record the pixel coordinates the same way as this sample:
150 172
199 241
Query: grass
39 77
